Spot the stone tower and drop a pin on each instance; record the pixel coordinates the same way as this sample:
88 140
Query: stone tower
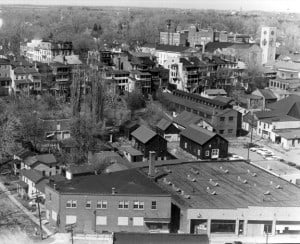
268 44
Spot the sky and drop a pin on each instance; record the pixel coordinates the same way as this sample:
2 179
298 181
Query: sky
266 5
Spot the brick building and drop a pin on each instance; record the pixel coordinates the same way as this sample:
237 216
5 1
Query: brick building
98 204
220 115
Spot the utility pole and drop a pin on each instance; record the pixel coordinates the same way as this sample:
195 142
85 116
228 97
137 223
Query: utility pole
251 136
37 200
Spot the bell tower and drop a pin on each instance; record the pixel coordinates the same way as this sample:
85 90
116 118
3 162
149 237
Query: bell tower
268 44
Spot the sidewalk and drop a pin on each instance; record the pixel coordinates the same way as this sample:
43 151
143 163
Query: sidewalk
25 210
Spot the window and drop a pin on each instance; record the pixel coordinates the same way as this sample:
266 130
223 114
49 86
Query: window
185 145
102 204
207 153
71 219
222 118
138 221
88 204
122 220
230 118
214 152
268 228
138 205
54 215
153 205
74 204
230 131
101 220
227 226
199 152
50 196
221 131
69 204
126 204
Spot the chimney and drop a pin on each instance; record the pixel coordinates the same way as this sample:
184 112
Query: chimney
151 171
110 138
113 190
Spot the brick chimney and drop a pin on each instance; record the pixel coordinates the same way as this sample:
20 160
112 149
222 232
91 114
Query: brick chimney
151 172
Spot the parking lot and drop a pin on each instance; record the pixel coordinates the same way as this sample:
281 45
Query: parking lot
285 169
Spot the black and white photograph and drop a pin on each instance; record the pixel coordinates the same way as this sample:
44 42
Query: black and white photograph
149 122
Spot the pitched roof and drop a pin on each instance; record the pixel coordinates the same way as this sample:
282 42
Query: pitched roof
186 118
132 151
42 158
150 238
267 94
129 182
212 46
223 99
32 174
198 134
215 91
287 65
51 124
163 124
143 134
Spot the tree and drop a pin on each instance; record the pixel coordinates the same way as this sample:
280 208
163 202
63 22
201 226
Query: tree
83 130
135 101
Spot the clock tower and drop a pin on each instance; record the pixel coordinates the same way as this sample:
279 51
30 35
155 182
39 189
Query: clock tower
268 44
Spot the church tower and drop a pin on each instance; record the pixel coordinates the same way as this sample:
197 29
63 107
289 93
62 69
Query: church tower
268 44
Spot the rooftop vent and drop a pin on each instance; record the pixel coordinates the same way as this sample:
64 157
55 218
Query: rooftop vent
224 170
240 179
166 181
194 171
190 178
210 191
278 187
213 182
267 193
187 196
254 174
167 170
176 188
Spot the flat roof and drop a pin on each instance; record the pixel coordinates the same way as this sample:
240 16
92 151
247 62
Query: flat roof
154 238
236 184
127 182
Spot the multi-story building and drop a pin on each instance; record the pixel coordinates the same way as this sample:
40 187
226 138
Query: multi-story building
45 50
119 79
5 77
197 38
140 81
100 59
220 115
26 80
251 54
98 204
179 38
164 53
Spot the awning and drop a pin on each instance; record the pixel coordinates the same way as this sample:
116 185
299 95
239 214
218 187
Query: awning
157 220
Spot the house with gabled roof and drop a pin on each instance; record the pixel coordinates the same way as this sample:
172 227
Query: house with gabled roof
168 130
282 115
202 143
267 95
146 140
45 163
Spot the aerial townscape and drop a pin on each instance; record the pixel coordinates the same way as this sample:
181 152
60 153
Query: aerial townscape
131 125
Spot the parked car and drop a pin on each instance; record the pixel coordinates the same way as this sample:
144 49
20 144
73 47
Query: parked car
235 157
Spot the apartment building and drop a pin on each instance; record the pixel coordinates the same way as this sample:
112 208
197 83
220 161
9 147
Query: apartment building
120 79
98 204
5 77
45 50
